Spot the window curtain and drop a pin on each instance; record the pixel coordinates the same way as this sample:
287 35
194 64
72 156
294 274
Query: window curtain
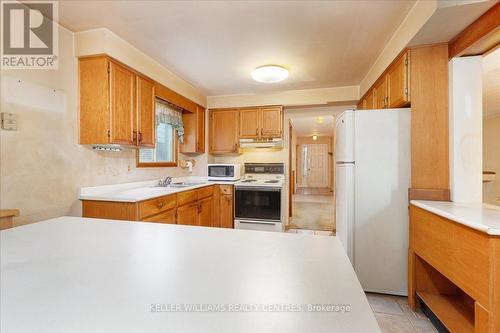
168 113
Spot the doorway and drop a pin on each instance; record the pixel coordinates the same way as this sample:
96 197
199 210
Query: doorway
312 157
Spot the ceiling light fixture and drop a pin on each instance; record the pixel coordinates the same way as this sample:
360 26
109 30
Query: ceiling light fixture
269 74
315 137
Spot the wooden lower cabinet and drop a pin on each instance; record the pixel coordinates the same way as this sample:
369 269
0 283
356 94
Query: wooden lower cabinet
210 206
454 271
224 206
205 212
168 217
188 214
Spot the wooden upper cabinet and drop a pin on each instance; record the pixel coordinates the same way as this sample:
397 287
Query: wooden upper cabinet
194 132
380 94
116 104
368 103
145 111
271 122
261 123
250 124
398 90
122 85
223 130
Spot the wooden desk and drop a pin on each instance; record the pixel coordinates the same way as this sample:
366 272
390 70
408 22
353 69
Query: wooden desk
455 270
6 216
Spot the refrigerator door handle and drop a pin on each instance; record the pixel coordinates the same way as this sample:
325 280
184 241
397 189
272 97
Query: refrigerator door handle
342 162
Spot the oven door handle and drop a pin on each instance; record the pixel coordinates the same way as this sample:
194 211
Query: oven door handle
257 222
258 188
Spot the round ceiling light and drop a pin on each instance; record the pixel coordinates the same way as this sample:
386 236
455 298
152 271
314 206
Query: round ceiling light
269 74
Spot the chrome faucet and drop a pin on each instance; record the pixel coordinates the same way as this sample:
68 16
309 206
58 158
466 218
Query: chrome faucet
165 182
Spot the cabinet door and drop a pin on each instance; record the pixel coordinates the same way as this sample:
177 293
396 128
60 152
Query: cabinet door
224 131
226 218
369 101
380 94
194 132
200 129
188 214
397 82
145 112
205 212
250 123
165 217
122 104
271 123
94 100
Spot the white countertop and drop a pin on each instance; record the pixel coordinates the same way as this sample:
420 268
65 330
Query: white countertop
69 274
482 217
139 191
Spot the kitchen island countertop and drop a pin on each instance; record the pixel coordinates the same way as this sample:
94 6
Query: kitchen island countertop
71 273
479 216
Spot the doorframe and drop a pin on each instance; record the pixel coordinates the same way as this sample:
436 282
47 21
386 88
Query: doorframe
291 172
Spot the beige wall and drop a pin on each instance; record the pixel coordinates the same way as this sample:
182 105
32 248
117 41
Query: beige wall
41 165
305 140
491 158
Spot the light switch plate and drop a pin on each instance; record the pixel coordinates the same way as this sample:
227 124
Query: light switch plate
9 121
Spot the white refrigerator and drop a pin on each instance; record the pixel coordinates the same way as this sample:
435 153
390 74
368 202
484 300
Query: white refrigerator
372 177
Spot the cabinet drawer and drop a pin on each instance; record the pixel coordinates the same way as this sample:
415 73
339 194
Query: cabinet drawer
226 189
186 197
165 217
157 205
205 192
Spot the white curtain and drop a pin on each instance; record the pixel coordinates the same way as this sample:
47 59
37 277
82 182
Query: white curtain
170 114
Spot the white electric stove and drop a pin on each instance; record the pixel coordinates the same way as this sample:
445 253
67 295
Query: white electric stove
259 198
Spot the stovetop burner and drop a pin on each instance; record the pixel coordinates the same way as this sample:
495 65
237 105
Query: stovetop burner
272 181
249 180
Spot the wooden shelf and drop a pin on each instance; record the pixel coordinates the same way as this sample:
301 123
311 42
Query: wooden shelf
452 311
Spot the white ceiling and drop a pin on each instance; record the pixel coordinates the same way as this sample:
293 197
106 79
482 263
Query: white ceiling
321 125
214 45
491 83
450 18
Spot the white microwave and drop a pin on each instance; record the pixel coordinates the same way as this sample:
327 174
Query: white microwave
227 172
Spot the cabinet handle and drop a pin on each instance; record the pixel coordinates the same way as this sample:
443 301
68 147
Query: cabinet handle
140 136
134 135
261 132
256 131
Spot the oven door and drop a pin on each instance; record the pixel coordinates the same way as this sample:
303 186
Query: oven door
258 203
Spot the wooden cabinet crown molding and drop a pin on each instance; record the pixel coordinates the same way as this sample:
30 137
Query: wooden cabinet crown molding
479 37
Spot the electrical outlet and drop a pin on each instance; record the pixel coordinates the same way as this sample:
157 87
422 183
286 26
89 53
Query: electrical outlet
9 121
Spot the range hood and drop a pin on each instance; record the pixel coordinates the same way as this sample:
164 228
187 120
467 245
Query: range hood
266 143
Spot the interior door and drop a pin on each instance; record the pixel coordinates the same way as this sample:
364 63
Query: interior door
146 112
122 105
315 165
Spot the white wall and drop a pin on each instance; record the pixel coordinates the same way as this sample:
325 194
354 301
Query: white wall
41 164
466 114
491 158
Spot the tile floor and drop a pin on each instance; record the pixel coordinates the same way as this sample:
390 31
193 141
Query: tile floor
313 212
395 316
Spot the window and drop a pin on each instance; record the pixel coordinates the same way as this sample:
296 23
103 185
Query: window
169 130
